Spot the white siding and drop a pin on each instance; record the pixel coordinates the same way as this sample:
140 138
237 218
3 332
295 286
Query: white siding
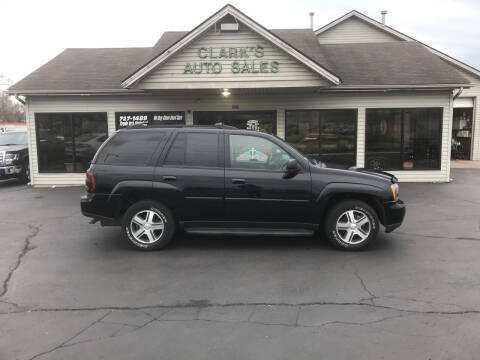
474 92
354 30
203 101
170 75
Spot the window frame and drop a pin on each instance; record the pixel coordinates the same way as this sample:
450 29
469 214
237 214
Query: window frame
302 162
173 136
355 136
70 116
402 140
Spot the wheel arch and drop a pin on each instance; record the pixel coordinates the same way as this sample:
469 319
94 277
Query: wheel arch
337 192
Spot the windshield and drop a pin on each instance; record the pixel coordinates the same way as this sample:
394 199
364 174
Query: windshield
13 138
298 152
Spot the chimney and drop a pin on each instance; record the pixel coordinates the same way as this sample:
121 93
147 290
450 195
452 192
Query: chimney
384 16
311 20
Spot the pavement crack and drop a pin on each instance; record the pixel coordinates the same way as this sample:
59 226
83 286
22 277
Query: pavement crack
168 308
366 289
64 343
27 246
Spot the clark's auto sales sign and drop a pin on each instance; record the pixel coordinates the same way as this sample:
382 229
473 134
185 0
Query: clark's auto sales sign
240 60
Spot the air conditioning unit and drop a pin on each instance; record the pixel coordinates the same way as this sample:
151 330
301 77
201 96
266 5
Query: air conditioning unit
229 27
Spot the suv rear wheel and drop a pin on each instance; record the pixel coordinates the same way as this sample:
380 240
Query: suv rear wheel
148 225
351 225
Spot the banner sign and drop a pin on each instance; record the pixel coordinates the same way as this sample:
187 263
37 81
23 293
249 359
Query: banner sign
125 119
244 59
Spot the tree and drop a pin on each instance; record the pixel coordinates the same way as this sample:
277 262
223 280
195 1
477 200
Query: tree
9 110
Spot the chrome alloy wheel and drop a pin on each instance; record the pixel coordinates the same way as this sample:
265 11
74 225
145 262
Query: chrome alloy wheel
147 226
353 226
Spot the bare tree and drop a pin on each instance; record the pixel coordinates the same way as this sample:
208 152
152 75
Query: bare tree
9 110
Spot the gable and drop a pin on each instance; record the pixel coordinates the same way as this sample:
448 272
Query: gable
354 30
241 59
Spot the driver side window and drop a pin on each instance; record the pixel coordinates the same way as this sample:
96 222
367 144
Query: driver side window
256 153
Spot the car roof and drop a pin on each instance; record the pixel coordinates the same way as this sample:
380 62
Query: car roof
218 126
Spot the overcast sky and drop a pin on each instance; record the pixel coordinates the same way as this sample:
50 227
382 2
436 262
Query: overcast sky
34 31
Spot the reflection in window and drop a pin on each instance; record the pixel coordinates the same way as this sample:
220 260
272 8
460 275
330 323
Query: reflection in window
253 152
403 139
325 135
68 142
249 120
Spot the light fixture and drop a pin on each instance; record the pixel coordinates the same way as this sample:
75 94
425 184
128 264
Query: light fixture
226 92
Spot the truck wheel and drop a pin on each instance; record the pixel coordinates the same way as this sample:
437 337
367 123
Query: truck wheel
148 225
25 174
351 225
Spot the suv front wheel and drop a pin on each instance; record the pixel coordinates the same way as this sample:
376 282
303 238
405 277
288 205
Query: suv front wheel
148 225
351 225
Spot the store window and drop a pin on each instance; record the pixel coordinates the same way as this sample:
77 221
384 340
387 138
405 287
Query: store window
250 120
462 133
68 142
325 135
403 139
195 149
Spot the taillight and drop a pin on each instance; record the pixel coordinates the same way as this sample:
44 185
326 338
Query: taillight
89 181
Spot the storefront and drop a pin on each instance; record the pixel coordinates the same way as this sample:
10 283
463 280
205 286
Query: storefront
328 101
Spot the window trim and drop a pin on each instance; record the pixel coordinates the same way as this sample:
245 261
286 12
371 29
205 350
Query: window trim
402 140
70 114
355 109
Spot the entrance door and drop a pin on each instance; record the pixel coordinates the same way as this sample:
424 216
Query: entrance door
249 120
256 188
462 129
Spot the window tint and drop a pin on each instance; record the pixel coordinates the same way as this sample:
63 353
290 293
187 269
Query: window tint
68 142
194 149
253 152
403 139
131 148
325 135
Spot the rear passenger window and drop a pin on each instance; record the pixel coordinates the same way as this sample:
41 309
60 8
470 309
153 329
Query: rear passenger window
131 147
194 149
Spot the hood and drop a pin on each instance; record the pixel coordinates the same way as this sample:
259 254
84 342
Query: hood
12 147
378 174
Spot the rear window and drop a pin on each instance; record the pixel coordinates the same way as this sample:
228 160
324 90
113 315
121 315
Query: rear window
134 148
194 149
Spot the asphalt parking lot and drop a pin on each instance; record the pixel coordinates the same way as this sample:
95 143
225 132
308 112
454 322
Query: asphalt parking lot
71 290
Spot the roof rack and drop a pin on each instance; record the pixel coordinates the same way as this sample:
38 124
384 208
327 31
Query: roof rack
216 126
223 126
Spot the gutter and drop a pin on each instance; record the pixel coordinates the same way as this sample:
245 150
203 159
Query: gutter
20 99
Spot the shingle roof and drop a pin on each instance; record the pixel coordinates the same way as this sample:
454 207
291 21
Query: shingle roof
393 63
84 69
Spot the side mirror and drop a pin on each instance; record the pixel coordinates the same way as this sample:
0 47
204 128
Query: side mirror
292 168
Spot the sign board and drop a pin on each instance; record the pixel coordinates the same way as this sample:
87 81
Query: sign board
126 119
240 60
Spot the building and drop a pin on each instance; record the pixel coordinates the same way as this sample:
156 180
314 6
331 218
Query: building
353 93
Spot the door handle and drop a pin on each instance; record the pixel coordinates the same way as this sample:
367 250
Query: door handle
238 181
169 177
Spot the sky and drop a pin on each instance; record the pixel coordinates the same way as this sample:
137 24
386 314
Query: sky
34 31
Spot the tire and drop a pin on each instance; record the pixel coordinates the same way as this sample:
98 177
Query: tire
345 234
155 219
25 174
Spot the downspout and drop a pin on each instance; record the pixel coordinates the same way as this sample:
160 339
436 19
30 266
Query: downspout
459 92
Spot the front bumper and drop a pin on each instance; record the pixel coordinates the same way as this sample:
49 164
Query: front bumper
394 214
10 171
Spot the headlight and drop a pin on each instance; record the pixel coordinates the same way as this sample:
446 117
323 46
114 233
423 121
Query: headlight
395 189
10 157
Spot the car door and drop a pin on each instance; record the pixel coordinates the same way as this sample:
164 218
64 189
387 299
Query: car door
256 186
193 168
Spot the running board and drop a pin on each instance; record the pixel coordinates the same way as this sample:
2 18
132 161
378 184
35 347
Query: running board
248 232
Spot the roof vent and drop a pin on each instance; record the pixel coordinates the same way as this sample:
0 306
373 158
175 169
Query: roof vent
384 17
229 27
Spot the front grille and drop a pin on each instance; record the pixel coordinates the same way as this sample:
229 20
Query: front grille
2 157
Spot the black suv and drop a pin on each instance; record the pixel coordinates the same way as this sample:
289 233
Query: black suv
14 156
221 180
